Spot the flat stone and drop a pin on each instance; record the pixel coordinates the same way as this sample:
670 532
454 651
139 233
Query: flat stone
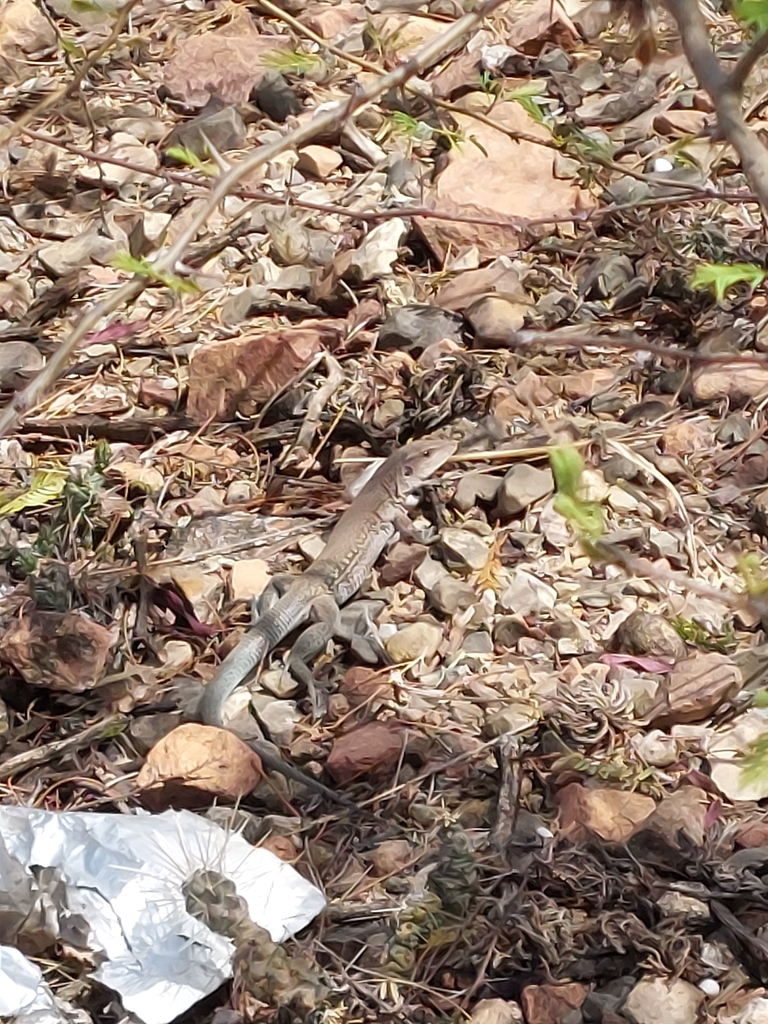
653 1000
465 546
319 161
59 258
496 320
474 487
417 640
522 486
16 358
224 129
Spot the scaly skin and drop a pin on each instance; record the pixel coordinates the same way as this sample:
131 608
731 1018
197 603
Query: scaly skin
355 544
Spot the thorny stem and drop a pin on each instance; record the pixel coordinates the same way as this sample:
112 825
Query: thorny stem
166 261
726 99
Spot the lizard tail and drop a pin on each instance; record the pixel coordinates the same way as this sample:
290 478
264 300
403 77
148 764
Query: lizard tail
235 667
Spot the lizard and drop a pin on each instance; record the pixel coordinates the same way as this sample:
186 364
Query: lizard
353 547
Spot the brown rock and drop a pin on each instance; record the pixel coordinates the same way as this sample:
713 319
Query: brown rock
226 62
497 279
551 1004
60 650
753 835
319 161
195 764
330 22
238 374
365 686
647 634
696 687
612 814
372 749
732 381
496 177
496 320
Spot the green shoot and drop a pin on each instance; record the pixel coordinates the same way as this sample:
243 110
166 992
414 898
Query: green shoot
183 155
294 62
143 268
585 517
722 276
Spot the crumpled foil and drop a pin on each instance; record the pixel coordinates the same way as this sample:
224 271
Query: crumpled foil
111 884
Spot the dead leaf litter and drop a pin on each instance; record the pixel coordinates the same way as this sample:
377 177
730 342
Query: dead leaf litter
549 706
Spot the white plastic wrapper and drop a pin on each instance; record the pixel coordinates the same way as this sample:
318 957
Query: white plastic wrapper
23 993
123 875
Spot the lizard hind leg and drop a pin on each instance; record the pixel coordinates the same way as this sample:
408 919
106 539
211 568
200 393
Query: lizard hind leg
310 643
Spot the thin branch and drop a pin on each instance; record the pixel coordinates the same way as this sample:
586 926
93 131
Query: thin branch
745 63
727 102
166 261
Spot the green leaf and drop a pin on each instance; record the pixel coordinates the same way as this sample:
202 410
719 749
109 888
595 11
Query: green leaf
752 12
186 156
567 467
293 62
45 489
526 95
722 276
585 517
143 268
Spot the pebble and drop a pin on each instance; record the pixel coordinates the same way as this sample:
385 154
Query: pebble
496 320
417 640
653 1000
474 487
223 129
466 547
319 161
522 486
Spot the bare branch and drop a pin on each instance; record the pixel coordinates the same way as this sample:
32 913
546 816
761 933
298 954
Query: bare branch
757 49
166 261
727 102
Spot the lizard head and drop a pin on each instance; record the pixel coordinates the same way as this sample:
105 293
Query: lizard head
410 466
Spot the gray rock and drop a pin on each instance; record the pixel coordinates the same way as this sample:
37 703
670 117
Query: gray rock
224 129
276 97
465 546
60 258
450 595
148 730
508 630
475 487
522 486
416 327
18 358
478 642
528 595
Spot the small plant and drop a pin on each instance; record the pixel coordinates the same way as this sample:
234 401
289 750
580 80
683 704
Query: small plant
295 62
143 268
722 276
586 517
694 633
527 96
185 156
